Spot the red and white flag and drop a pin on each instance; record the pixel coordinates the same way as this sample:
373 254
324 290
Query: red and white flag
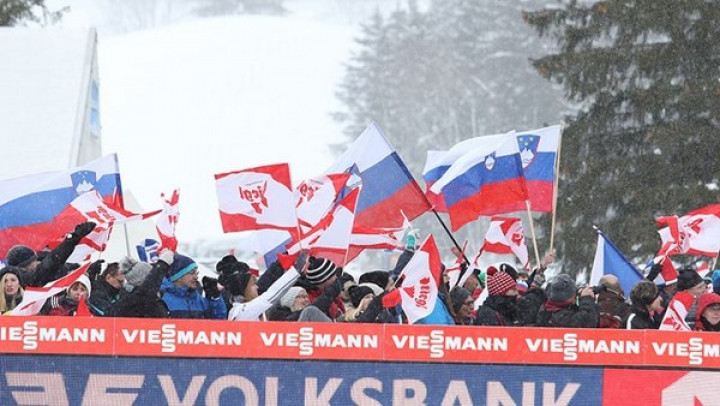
419 290
256 198
91 207
315 197
167 221
505 236
696 233
363 238
34 298
676 312
330 238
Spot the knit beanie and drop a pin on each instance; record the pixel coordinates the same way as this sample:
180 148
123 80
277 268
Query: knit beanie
319 270
236 283
84 280
180 267
499 282
289 298
229 265
378 277
458 295
561 288
687 278
21 256
135 271
357 293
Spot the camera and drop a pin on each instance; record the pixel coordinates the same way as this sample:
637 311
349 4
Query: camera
598 289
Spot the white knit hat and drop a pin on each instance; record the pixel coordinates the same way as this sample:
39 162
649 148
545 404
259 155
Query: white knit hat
289 298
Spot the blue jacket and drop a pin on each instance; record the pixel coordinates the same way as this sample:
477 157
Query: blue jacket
439 316
185 303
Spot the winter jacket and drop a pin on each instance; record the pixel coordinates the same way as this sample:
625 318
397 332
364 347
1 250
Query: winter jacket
144 300
282 313
253 309
529 305
51 267
104 297
185 303
328 300
64 307
498 310
439 315
639 319
568 314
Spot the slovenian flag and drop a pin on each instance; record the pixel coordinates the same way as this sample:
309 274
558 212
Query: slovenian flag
538 152
388 188
486 181
438 162
29 204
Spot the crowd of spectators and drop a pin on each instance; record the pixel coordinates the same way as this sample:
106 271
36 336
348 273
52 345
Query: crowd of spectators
317 290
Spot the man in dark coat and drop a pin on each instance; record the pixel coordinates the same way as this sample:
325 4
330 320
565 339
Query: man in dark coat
561 309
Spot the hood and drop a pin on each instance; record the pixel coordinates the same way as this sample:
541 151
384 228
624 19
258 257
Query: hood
705 300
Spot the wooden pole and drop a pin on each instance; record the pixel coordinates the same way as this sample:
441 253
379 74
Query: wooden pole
555 188
532 232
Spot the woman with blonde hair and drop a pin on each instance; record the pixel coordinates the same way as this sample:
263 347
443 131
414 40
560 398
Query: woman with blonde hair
10 287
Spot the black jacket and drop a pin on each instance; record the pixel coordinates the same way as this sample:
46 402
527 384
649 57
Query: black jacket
639 319
144 300
104 298
51 267
584 315
498 311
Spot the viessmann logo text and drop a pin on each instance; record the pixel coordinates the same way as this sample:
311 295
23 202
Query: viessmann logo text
30 334
168 336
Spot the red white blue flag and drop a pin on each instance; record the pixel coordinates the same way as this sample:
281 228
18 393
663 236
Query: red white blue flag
29 204
538 153
486 181
388 188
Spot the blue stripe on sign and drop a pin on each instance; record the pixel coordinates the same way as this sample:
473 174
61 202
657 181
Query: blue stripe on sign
382 180
42 207
506 168
542 168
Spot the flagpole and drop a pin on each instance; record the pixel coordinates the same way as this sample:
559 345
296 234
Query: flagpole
555 187
532 232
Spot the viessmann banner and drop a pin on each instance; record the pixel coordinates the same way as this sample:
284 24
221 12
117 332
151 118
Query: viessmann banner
370 342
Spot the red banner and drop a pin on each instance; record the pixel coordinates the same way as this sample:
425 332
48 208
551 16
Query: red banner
348 341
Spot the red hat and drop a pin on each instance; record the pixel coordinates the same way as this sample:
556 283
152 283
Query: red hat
499 282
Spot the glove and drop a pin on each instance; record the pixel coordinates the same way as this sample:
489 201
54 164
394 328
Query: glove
167 257
210 286
83 229
94 269
655 271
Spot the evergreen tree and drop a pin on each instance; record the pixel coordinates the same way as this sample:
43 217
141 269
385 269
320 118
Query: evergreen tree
645 73
17 12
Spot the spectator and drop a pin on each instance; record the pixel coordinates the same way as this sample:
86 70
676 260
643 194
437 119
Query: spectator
322 274
708 312
182 294
107 290
500 308
11 289
611 301
462 303
367 306
67 305
228 265
247 305
561 309
34 272
379 278
143 283
689 281
646 307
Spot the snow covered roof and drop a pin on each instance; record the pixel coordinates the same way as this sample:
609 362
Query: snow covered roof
45 81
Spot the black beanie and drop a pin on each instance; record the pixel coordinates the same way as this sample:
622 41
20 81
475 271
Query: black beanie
21 256
378 277
229 265
237 282
687 278
357 293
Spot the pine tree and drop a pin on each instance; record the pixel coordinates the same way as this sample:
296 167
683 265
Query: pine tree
645 73
17 12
